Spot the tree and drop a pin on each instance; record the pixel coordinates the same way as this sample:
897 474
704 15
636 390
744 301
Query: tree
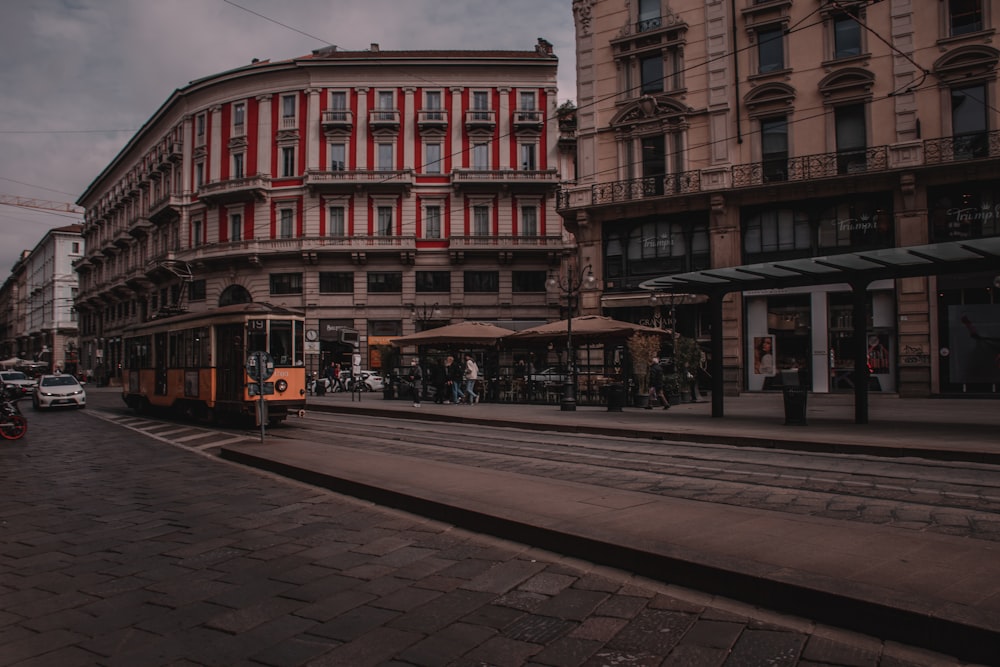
643 348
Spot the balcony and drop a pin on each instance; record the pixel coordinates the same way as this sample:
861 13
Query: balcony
430 120
977 146
383 120
372 180
308 247
122 239
505 178
528 120
812 167
141 228
248 189
337 120
480 120
165 209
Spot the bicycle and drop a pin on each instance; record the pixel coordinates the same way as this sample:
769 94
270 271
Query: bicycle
13 424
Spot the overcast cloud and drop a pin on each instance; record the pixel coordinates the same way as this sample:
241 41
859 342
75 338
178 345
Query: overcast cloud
80 76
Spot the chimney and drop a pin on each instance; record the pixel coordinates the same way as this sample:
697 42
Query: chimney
544 47
374 47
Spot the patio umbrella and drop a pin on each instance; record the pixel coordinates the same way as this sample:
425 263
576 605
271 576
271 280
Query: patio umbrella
585 328
465 333
11 363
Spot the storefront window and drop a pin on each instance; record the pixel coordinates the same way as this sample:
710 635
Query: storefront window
963 213
848 226
780 353
657 247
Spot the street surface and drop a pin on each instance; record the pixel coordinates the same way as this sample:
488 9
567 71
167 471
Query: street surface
125 541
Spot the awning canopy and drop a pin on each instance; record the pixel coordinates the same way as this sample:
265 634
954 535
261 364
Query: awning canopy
968 256
855 269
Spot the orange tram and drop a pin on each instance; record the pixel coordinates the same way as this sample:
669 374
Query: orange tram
196 363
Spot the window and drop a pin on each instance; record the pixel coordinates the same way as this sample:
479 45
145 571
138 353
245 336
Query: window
965 16
235 226
528 162
383 160
774 148
336 223
338 157
651 70
529 221
846 36
76 248
649 15
196 290
851 138
287 161
200 123
433 159
336 282
285 225
856 224
968 121
770 50
432 222
433 105
385 106
433 281
385 282
286 283
288 110
776 230
481 156
482 281
199 174
239 118
481 220
528 281
480 105
197 232
654 164
238 165
384 222
338 100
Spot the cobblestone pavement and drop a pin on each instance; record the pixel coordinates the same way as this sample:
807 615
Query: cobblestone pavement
119 549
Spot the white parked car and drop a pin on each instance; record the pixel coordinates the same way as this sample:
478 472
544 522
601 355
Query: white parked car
372 381
550 375
59 391
25 384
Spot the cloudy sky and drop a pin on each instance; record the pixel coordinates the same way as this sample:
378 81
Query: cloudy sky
81 76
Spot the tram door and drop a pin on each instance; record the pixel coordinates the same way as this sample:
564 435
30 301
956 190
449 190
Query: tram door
160 355
229 362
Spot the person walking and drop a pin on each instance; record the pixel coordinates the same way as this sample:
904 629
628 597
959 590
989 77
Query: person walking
416 378
656 384
439 381
453 375
471 375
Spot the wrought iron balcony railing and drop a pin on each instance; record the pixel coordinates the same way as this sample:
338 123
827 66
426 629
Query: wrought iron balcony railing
775 172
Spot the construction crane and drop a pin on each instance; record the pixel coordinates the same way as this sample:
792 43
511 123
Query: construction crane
43 204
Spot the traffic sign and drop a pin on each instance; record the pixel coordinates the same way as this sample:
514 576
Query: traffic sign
260 366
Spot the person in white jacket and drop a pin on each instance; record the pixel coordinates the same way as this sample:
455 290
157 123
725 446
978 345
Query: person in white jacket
471 375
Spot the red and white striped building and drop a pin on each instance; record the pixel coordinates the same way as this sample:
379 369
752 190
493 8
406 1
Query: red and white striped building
378 191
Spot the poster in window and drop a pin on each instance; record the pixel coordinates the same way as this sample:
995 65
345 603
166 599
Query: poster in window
763 356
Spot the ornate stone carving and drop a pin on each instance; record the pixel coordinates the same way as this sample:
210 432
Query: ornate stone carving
583 9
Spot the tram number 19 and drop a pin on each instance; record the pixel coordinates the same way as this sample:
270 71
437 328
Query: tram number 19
256 325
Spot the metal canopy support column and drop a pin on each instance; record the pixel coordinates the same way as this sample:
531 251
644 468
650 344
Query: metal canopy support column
718 381
859 303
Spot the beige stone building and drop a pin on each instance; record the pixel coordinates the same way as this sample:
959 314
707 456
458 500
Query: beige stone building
718 133
380 192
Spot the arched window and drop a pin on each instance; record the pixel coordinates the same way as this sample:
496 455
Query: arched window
234 294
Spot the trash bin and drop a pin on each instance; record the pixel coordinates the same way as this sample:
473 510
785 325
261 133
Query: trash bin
795 405
616 397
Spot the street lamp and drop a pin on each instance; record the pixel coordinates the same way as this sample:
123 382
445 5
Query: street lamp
571 288
425 313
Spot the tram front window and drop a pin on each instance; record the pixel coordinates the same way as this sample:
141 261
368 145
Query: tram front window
281 343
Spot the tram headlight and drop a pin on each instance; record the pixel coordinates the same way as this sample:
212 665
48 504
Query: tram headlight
281 386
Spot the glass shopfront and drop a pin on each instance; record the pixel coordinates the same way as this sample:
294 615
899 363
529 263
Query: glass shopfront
804 337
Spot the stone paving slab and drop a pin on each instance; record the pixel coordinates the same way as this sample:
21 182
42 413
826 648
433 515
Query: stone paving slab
919 585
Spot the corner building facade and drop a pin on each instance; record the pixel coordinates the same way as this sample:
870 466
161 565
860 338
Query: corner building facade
380 192
719 133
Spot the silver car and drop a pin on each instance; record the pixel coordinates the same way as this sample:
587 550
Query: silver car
59 391
18 379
